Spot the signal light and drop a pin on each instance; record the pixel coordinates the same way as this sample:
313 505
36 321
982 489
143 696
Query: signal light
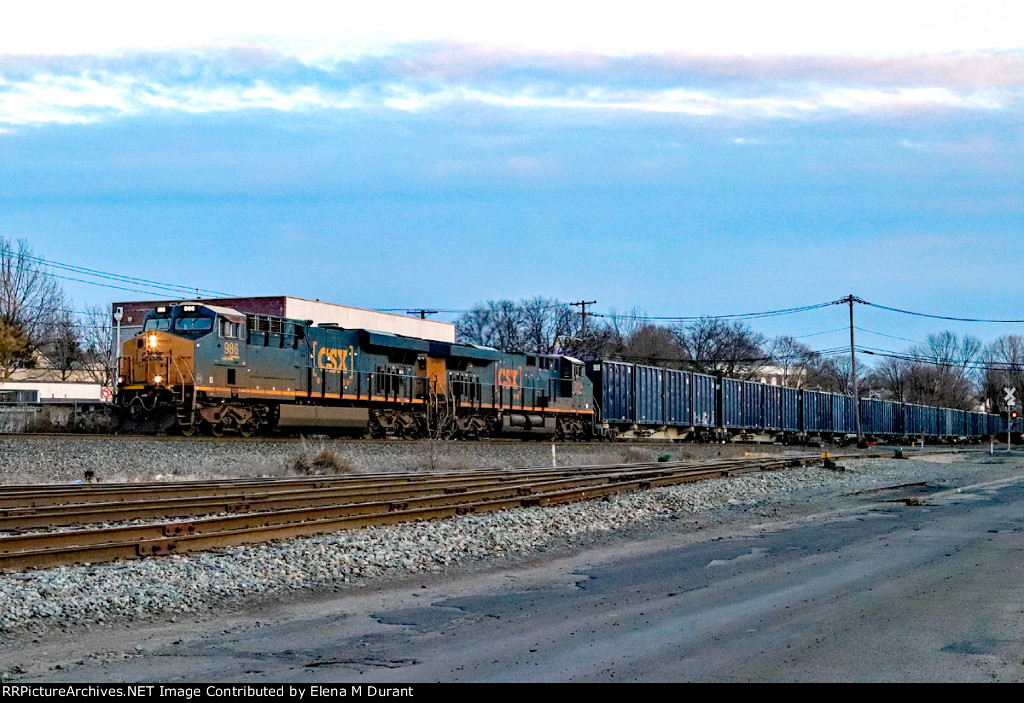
1013 415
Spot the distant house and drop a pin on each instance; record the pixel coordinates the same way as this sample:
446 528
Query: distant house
792 377
43 384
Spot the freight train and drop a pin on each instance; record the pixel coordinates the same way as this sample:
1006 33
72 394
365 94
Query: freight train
198 368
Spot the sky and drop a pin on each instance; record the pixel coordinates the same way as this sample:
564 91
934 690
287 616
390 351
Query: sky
682 159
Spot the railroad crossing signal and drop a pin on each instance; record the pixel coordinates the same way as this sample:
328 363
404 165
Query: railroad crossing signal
1010 396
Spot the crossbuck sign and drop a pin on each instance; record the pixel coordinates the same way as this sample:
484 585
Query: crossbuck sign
1010 396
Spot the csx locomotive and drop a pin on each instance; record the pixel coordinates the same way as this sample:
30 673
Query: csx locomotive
202 368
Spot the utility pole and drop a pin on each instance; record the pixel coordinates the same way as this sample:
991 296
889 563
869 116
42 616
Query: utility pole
851 299
422 313
582 305
118 315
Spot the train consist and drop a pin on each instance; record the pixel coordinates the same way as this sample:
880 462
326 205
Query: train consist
201 368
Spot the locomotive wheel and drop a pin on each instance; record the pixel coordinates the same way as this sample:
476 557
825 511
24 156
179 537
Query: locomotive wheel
217 429
408 426
248 429
188 430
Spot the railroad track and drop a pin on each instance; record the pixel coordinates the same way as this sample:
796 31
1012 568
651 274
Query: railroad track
177 518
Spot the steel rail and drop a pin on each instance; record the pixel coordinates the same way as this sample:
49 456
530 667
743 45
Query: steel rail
24 497
28 495
28 518
117 498
523 486
39 516
92 546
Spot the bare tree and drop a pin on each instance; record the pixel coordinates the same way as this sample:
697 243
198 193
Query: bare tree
99 356
538 325
941 371
1004 368
31 303
890 377
653 345
789 356
623 325
711 345
62 347
499 324
829 373
546 323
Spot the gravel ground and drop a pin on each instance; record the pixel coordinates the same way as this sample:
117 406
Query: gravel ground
25 460
168 587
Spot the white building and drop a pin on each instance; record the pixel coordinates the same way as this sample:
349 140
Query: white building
134 313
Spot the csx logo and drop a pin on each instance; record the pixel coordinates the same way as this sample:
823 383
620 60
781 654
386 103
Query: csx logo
337 359
508 378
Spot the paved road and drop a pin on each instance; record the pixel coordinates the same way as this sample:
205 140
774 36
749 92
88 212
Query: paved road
875 591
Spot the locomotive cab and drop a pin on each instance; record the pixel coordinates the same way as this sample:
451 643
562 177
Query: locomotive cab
189 321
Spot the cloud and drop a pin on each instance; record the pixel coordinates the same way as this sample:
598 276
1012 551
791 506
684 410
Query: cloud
320 30
423 78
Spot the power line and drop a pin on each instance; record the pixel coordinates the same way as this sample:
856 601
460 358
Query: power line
818 334
971 365
408 310
882 334
745 315
175 288
422 312
757 315
104 285
937 317
791 356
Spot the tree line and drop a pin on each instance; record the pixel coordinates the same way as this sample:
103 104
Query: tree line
947 370
40 330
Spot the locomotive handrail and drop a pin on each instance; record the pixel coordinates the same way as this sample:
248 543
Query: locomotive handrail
192 416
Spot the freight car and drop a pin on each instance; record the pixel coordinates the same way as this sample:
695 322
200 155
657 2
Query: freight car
202 368
637 401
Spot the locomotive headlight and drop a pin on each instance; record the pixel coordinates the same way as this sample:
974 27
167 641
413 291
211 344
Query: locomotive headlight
151 341
157 379
120 380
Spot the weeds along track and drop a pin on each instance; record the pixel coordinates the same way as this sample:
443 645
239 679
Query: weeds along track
46 526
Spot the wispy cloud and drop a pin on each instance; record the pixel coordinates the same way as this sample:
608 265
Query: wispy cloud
423 78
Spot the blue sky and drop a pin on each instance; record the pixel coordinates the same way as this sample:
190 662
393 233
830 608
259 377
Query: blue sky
749 156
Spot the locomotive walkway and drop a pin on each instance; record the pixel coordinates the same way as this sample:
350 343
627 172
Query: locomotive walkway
168 518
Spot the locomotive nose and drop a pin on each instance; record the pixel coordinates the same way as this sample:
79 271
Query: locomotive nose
156 359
